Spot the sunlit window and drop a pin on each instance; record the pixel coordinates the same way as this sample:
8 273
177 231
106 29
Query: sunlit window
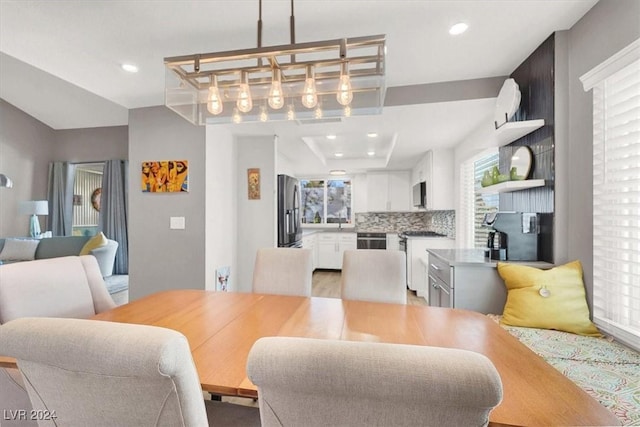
326 201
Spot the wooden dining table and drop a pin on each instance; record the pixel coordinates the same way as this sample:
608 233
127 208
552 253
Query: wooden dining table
221 327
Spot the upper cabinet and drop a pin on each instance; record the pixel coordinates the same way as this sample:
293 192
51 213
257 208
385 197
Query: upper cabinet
388 191
436 169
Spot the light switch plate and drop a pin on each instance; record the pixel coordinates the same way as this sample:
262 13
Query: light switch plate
177 223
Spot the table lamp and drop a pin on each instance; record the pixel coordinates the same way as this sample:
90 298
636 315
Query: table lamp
34 208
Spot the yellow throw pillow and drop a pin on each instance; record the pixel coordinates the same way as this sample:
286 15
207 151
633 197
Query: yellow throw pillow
546 299
96 241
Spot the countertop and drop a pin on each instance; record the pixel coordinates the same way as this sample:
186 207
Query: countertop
475 257
309 231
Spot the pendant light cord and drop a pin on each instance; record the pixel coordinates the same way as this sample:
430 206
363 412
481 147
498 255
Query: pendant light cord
292 30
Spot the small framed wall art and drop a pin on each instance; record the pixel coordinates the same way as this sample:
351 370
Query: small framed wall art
165 176
253 181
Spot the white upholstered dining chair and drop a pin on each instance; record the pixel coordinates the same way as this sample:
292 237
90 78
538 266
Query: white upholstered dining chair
313 382
57 287
374 275
283 271
95 373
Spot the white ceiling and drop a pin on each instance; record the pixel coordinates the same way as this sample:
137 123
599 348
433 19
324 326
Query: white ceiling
60 62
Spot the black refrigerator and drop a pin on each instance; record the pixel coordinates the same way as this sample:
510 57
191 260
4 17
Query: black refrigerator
289 230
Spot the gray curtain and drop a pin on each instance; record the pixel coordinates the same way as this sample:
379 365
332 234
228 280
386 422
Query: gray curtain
112 220
60 195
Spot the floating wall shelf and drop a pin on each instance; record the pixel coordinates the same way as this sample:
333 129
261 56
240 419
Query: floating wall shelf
510 131
509 186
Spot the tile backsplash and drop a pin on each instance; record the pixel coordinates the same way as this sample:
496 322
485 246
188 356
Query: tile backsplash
442 222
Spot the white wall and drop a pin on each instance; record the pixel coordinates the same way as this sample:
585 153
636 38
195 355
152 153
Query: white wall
221 205
257 220
285 166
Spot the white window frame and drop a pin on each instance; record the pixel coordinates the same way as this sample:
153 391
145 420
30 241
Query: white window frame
323 223
468 188
616 194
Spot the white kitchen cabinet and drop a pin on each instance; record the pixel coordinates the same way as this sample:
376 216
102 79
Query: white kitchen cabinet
388 191
436 168
417 256
331 247
310 241
393 242
359 192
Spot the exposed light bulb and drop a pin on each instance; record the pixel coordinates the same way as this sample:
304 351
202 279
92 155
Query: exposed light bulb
237 118
244 103
291 114
347 111
318 113
309 93
263 114
344 95
276 96
214 102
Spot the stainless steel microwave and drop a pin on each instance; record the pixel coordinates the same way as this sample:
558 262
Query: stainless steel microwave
420 195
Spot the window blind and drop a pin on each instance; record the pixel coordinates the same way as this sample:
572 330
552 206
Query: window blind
474 205
616 204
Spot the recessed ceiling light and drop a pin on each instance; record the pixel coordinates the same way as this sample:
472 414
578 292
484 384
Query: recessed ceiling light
371 153
338 154
458 28
130 68
337 172
331 137
372 134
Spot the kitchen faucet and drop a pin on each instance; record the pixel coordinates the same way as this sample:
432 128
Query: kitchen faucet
340 220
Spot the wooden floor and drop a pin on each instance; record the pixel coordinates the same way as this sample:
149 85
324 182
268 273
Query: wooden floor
326 283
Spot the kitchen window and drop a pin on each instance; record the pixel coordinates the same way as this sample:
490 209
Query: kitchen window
616 194
326 201
474 206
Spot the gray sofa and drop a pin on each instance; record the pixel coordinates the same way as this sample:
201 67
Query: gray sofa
60 246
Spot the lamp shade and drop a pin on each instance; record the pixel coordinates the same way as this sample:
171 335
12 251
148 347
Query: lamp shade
34 207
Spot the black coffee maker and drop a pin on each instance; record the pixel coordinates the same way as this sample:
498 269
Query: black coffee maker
514 236
497 245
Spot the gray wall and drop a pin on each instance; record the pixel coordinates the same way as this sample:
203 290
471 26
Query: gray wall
92 144
607 28
26 148
161 258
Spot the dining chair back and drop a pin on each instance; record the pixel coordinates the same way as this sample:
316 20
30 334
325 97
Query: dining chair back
314 382
91 372
374 275
283 271
55 287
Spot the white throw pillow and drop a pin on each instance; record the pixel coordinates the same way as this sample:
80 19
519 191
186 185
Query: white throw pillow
19 250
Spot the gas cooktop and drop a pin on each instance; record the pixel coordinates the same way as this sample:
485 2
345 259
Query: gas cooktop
420 234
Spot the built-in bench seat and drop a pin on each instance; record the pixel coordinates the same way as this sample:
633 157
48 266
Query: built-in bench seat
604 368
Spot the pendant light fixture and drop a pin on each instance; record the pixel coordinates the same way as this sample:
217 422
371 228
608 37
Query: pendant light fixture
309 94
276 97
346 76
214 102
345 94
245 103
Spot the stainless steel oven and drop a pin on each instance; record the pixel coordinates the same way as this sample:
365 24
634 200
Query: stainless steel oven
372 241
